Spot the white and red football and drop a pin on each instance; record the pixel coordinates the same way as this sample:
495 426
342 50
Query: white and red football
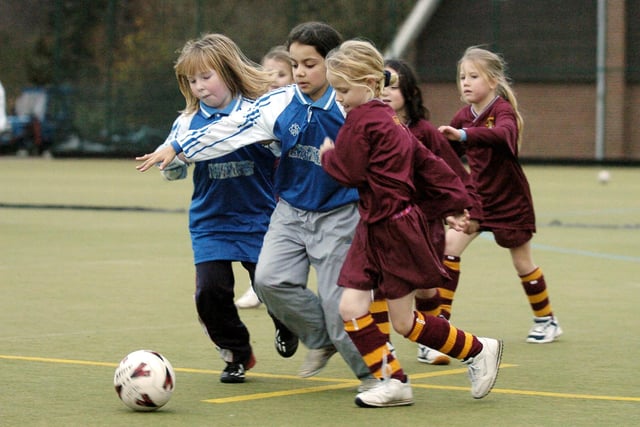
144 380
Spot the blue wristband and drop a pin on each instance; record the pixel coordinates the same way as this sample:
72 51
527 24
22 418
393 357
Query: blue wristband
463 135
176 147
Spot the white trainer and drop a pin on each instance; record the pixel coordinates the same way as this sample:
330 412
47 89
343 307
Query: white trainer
368 383
545 329
432 357
388 392
248 300
316 360
483 368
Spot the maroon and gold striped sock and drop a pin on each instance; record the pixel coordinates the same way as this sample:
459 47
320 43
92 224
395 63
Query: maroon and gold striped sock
448 289
439 334
380 313
535 287
430 306
372 345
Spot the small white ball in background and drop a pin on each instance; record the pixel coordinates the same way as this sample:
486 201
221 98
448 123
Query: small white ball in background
604 176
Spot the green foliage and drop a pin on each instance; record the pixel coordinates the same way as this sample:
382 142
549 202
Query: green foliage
119 55
65 49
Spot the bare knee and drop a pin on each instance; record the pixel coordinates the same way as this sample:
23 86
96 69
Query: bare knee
354 304
426 293
403 322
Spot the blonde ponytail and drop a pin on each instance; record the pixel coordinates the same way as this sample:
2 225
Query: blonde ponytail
492 67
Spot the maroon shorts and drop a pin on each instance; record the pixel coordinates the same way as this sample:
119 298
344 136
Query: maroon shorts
437 235
394 255
511 238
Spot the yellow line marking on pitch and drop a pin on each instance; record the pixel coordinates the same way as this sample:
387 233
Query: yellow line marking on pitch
342 383
566 395
53 360
454 371
534 393
281 393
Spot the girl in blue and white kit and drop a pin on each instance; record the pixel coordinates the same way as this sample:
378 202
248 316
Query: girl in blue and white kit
277 62
315 217
233 194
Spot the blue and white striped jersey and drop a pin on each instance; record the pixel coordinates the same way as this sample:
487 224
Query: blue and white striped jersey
233 195
299 125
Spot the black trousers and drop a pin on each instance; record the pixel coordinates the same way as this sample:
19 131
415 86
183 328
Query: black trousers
215 304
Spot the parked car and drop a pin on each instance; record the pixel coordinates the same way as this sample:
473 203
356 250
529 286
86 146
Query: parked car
41 116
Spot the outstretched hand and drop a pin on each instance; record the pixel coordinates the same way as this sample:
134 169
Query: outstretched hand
327 145
161 158
451 133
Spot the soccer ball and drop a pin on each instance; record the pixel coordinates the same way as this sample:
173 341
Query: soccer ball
144 380
604 176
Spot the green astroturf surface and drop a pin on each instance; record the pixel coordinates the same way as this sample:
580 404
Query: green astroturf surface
95 262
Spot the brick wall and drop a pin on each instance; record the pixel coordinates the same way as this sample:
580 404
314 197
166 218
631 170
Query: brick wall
559 119
552 60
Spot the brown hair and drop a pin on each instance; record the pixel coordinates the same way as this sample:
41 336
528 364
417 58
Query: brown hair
278 53
321 36
411 92
219 53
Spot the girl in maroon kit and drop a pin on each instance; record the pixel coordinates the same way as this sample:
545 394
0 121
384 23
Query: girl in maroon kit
405 97
391 250
489 131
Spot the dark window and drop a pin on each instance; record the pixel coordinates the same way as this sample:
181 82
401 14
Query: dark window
541 40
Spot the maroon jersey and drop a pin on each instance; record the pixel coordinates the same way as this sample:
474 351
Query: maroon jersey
439 191
492 152
374 153
436 210
391 249
426 133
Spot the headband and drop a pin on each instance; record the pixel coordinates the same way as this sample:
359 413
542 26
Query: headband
387 78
